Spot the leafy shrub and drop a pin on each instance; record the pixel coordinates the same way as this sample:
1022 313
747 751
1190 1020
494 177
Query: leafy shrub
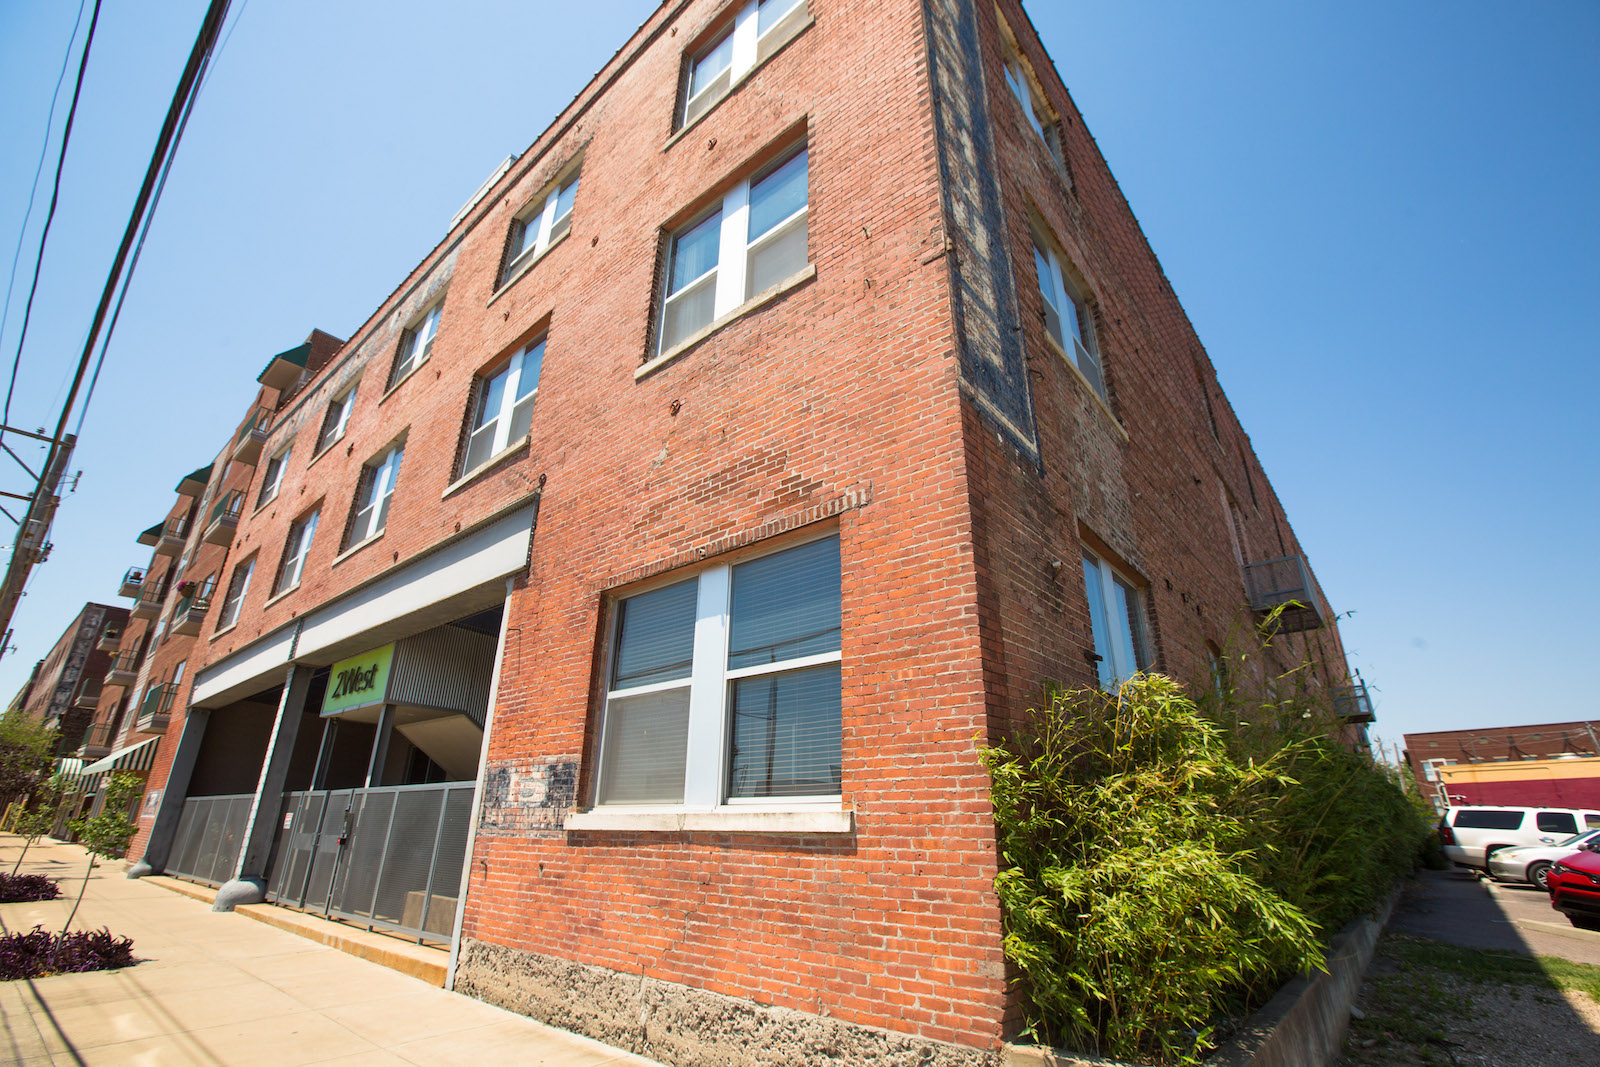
41 952
16 888
1166 867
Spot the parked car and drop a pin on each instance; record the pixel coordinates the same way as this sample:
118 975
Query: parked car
1471 834
1574 884
1532 863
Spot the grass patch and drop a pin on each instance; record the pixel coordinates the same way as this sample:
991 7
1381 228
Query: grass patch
1479 965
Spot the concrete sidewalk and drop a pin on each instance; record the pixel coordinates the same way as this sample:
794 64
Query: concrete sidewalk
217 988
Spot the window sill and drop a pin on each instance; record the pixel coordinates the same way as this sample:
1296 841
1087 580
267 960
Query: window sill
1105 409
228 629
733 87
522 271
766 297
331 446
735 820
484 468
263 504
403 379
353 549
275 597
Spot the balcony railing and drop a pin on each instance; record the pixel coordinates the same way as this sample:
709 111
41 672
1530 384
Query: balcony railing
224 519
148 606
1286 584
110 640
132 582
174 532
157 708
97 741
1353 704
88 694
191 612
247 446
124 669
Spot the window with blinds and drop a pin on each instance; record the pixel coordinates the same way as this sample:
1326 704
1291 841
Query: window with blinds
725 688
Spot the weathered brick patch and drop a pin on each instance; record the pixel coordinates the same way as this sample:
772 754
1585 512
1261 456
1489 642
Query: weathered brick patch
684 1026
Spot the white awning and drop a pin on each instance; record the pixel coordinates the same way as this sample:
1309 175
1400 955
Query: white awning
140 757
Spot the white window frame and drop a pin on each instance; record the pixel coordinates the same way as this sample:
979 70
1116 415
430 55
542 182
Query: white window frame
746 38
498 424
336 418
731 274
416 343
1122 646
272 477
238 587
540 219
373 494
295 550
1081 350
707 748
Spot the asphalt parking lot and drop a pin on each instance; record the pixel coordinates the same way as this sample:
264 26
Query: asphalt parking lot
1456 907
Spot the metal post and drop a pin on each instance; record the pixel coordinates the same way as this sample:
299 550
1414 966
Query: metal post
433 864
380 746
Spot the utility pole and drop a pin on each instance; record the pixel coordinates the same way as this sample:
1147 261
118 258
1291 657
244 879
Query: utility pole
33 529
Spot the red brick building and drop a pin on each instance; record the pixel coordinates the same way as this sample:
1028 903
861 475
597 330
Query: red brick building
622 604
64 687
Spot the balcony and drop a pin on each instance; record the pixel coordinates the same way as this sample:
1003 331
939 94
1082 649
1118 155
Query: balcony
191 612
174 532
1286 584
194 483
110 639
1353 705
124 671
148 606
157 708
132 582
253 435
88 694
150 536
285 368
97 742
224 519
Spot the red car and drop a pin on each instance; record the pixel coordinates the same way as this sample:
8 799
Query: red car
1574 884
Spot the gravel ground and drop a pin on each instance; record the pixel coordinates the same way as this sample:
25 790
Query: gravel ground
1424 1003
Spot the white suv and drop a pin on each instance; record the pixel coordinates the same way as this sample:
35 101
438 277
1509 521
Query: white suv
1472 834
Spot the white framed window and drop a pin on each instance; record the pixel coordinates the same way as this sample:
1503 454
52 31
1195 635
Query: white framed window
502 406
295 548
372 495
538 225
336 418
1116 615
759 27
724 689
238 586
416 343
1066 315
754 239
272 476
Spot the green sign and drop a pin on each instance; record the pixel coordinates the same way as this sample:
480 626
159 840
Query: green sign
358 682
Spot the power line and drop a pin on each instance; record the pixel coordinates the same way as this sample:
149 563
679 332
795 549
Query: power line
55 196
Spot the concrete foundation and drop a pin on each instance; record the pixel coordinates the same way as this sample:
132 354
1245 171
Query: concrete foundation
683 1026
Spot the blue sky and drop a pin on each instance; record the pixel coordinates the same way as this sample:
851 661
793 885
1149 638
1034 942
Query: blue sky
1381 218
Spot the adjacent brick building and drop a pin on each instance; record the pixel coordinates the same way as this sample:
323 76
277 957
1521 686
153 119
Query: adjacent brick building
64 687
753 445
1554 764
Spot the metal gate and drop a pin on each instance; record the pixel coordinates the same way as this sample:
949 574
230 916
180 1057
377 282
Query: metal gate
210 831
387 857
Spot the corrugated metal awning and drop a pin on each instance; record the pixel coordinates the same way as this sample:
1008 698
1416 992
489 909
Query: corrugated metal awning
140 757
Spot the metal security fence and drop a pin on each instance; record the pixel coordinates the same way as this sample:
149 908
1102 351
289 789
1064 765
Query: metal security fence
386 857
210 833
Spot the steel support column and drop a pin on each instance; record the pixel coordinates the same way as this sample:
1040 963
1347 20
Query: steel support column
158 846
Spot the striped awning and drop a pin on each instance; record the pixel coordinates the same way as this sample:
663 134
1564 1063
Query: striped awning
70 768
140 757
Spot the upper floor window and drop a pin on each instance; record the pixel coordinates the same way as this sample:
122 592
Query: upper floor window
754 239
238 586
539 225
502 406
336 419
416 344
295 548
1023 86
372 495
725 688
1066 316
1116 616
758 30
272 476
